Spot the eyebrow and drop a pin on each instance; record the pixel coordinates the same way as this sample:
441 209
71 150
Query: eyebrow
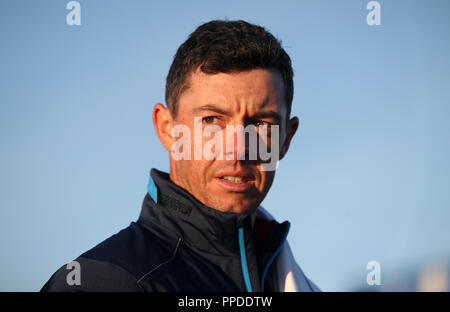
268 114
219 110
211 107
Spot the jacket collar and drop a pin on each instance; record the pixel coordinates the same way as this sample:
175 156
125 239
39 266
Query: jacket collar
202 227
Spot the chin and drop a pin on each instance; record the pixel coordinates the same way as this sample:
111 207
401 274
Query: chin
239 207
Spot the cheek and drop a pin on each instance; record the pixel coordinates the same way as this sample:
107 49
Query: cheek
197 172
185 171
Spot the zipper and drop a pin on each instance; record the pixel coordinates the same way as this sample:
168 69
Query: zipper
266 269
244 265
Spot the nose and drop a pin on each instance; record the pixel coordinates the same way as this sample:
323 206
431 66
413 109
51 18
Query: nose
240 145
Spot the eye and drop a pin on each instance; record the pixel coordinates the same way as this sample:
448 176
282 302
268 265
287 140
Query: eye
210 119
260 123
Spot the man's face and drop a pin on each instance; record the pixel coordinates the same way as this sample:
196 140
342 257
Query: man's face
242 98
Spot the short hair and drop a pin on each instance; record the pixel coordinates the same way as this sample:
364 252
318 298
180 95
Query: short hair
227 46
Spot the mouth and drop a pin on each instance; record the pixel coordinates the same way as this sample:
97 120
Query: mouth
235 181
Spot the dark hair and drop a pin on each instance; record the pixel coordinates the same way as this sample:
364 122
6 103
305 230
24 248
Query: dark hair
227 46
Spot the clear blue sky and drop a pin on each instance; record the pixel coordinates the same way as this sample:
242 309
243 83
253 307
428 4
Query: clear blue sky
367 177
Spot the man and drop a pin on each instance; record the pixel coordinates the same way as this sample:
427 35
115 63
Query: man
202 227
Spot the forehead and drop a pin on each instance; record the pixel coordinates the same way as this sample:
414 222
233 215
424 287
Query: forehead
244 92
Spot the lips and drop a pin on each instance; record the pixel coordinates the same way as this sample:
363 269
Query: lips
235 181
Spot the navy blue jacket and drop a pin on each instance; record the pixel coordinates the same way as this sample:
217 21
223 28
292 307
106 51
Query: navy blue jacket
178 244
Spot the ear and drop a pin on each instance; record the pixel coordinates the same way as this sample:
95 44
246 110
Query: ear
291 128
163 122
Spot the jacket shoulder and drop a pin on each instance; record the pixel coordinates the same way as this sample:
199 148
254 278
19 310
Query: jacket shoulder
88 275
117 263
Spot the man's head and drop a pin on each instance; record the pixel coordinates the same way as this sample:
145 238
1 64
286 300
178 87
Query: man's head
227 73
